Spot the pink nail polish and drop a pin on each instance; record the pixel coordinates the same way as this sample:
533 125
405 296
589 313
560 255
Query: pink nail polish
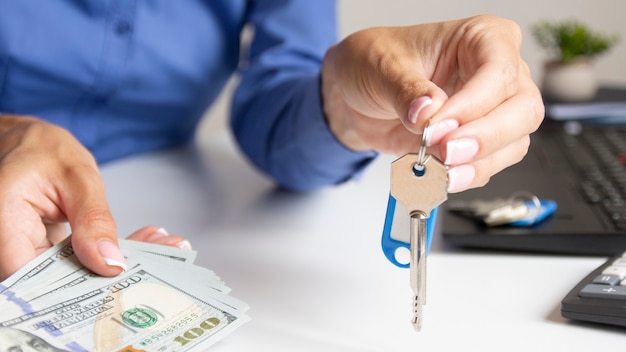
111 254
159 233
440 129
460 177
418 105
184 244
461 151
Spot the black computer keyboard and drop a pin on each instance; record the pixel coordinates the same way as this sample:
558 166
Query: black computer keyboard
600 156
601 296
583 171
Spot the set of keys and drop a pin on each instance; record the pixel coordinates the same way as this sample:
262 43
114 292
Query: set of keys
419 184
522 208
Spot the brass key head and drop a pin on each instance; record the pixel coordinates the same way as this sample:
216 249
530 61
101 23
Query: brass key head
419 191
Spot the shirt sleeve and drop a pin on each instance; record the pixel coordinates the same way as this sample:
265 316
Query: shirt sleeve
277 114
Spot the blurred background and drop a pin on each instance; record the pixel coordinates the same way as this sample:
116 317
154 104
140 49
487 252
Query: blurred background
603 16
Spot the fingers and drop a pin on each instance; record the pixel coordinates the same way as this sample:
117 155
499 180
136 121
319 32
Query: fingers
23 234
55 231
488 69
488 140
16 251
28 206
510 122
492 84
457 70
482 147
497 106
422 97
159 235
377 74
94 236
72 183
47 178
405 83
479 172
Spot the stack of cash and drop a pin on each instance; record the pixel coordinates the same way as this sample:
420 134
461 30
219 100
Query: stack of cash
161 303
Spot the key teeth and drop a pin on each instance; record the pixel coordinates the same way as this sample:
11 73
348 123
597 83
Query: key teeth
417 301
417 313
417 324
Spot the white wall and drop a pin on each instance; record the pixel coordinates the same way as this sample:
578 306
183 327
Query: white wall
607 16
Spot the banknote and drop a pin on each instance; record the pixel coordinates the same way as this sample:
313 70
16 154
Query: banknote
161 303
51 265
183 255
58 269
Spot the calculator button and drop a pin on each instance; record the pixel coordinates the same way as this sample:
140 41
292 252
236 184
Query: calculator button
603 291
619 262
619 271
606 280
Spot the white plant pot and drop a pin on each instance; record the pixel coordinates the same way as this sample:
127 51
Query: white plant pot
570 82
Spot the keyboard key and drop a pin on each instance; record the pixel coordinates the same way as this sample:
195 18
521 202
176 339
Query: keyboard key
604 291
606 280
619 271
601 156
619 262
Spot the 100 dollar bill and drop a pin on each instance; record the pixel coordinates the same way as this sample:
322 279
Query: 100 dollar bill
162 303
139 310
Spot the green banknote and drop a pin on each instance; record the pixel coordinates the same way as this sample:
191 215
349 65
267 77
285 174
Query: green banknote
161 303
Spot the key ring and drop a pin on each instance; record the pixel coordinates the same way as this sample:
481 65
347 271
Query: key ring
539 209
418 168
528 196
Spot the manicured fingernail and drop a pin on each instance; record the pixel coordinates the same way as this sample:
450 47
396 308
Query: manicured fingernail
111 254
460 177
440 129
184 244
159 233
418 105
461 151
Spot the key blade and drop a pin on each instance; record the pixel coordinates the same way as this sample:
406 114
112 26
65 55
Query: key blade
476 207
417 269
417 318
513 211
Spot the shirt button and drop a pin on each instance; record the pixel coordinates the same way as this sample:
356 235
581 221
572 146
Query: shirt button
123 27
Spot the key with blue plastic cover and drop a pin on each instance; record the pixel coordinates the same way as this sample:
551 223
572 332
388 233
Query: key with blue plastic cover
419 183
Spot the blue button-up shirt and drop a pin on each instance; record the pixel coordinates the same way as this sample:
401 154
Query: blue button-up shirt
131 76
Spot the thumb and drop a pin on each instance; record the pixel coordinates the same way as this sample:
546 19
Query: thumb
94 236
416 100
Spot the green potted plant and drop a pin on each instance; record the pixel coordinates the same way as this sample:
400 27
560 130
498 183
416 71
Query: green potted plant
569 75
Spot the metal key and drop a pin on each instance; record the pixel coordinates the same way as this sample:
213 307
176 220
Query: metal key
419 182
521 205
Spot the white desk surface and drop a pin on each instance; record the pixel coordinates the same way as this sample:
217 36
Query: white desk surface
311 268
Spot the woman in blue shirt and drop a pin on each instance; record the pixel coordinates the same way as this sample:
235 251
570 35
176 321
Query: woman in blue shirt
85 82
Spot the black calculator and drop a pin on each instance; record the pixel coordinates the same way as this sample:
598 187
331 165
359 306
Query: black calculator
601 296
